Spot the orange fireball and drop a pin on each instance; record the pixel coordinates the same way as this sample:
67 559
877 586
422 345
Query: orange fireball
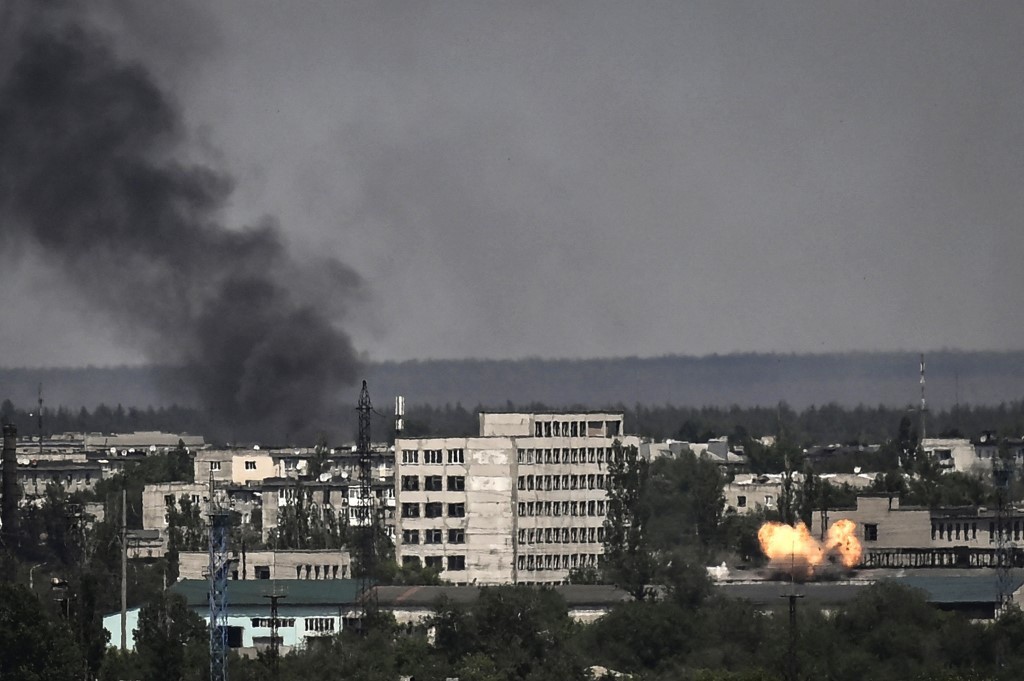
843 542
794 550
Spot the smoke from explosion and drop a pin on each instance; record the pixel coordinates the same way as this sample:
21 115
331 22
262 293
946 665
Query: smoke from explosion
93 175
793 551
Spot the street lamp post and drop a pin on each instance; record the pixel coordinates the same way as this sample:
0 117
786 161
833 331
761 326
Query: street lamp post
30 570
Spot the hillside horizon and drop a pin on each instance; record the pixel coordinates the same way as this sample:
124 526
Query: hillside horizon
744 379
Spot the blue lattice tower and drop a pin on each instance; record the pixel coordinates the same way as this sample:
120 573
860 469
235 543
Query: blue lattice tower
1003 474
220 524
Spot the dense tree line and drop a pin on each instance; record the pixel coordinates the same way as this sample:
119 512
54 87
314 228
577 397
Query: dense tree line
815 425
104 419
886 632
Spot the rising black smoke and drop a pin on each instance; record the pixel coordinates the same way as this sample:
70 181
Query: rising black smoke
93 174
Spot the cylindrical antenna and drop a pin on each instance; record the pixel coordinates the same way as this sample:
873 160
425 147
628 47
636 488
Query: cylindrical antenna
924 405
399 415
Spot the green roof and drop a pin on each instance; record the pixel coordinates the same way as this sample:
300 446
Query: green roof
256 591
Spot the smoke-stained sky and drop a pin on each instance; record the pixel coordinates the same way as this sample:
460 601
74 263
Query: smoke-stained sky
584 179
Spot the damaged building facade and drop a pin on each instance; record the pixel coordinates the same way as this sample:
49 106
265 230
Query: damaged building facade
524 502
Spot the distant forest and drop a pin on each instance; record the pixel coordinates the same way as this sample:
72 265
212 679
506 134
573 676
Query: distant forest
834 398
850 379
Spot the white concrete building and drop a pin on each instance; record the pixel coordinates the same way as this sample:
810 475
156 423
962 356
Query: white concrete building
524 502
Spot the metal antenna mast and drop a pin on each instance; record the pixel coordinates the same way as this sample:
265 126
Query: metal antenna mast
40 422
1002 477
367 508
220 521
924 405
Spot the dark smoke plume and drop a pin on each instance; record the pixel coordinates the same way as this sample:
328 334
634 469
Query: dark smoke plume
93 174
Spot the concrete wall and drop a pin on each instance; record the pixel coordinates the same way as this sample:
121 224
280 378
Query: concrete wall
293 628
313 565
749 496
217 462
896 527
73 477
252 466
154 501
487 525
505 425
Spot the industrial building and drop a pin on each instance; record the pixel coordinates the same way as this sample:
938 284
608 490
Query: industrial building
522 503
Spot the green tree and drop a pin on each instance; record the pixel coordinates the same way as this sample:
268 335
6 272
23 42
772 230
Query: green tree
186 531
35 647
628 560
524 632
808 496
171 640
684 499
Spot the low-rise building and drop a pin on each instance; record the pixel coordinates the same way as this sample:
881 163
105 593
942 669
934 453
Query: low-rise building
897 536
753 493
306 610
326 564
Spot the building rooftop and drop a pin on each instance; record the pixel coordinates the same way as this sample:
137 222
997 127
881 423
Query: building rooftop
575 595
256 591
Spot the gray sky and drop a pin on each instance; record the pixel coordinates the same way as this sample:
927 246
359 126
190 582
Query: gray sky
583 179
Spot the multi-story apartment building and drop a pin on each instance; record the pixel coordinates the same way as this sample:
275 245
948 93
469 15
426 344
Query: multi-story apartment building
523 502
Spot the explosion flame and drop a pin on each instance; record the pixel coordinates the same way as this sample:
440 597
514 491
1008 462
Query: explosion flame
795 551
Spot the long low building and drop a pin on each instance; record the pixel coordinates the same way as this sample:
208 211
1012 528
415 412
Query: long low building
306 610
909 536
973 593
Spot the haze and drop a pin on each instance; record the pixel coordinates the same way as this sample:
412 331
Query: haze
586 179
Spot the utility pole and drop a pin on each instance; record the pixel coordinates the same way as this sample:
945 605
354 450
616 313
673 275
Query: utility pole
275 640
792 666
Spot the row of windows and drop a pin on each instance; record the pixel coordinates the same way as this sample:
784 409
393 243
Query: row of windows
268 622
951 531
567 455
432 483
319 624
457 562
557 482
56 479
560 508
562 535
456 535
564 561
433 509
741 501
576 428
433 456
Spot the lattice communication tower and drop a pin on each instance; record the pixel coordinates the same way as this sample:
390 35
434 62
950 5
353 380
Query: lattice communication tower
1002 478
220 526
